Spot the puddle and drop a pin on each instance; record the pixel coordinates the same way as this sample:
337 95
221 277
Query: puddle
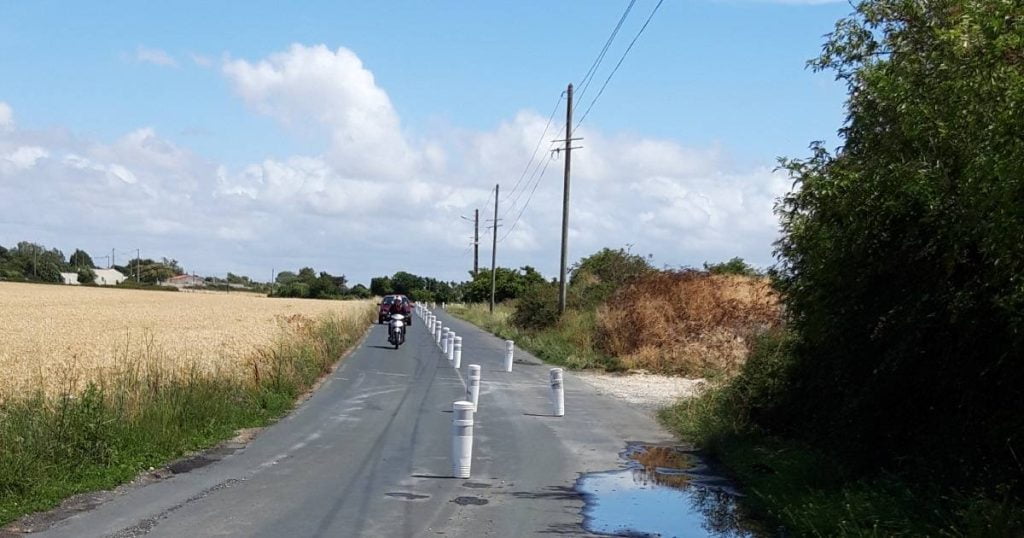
662 491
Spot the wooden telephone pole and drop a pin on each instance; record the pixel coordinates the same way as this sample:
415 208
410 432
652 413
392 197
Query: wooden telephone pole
565 203
476 241
494 248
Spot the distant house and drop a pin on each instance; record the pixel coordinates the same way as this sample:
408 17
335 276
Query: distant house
109 277
104 277
184 281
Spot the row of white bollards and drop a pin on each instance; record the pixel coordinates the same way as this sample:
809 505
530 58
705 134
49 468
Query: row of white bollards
463 411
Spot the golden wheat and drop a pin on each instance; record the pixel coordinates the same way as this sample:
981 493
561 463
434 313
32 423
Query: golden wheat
60 337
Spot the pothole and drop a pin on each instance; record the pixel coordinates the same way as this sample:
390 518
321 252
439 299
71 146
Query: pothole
464 501
406 496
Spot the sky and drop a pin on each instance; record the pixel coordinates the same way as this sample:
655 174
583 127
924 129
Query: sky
351 137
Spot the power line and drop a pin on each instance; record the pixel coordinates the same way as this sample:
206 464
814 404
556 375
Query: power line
585 81
515 202
616 68
527 204
540 141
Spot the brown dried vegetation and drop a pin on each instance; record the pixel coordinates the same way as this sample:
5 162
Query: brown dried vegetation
686 322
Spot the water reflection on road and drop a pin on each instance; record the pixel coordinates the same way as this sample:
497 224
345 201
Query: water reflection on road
663 491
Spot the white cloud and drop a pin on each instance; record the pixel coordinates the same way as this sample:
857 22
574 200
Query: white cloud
201 60
154 56
22 158
315 90
375 201
6 117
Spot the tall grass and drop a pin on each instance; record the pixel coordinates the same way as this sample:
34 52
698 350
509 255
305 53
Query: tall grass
570 342
143 414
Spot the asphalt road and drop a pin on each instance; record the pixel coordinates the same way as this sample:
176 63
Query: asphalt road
369 455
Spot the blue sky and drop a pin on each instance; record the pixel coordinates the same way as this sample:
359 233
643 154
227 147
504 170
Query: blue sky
723 80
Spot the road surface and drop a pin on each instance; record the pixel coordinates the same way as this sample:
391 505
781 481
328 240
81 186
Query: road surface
368 454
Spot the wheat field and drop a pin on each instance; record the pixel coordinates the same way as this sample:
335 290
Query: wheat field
58 338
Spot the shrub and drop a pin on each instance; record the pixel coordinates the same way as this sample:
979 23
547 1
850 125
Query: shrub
598 276
537 308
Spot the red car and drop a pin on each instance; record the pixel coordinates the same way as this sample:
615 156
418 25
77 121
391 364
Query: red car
385 307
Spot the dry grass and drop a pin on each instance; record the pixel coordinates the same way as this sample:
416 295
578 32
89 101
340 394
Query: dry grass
59 338
686 322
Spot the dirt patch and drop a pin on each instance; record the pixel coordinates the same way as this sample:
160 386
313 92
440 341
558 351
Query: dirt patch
642 389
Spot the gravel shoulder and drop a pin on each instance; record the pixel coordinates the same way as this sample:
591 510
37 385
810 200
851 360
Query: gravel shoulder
641 389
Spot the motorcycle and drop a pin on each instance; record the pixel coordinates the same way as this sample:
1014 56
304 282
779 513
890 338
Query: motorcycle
396 330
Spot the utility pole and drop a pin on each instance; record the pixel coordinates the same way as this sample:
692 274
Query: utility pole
476 241
494 248
565 203
113 261
138 265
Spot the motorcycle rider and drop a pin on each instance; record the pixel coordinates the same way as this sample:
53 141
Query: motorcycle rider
397 307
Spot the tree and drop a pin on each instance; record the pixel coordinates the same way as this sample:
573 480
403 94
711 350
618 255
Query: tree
901 258
381 286
359 291
735 266
285 277
80 259
509 284
404 283
86 276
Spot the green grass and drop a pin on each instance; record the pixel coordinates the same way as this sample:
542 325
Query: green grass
52 448
569 343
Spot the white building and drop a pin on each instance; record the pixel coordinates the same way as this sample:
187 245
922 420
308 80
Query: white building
109 277
104 277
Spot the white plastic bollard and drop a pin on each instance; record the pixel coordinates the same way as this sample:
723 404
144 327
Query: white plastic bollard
510 347
457 357
462 438
473 388
430 324
557 393
437 331
451 345
445 337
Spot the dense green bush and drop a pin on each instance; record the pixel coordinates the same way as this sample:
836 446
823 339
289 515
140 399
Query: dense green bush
86 276
508 284
902 257
735 266
597 276
417 288
537 308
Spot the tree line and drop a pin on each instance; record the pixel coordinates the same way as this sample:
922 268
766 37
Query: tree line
29 261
